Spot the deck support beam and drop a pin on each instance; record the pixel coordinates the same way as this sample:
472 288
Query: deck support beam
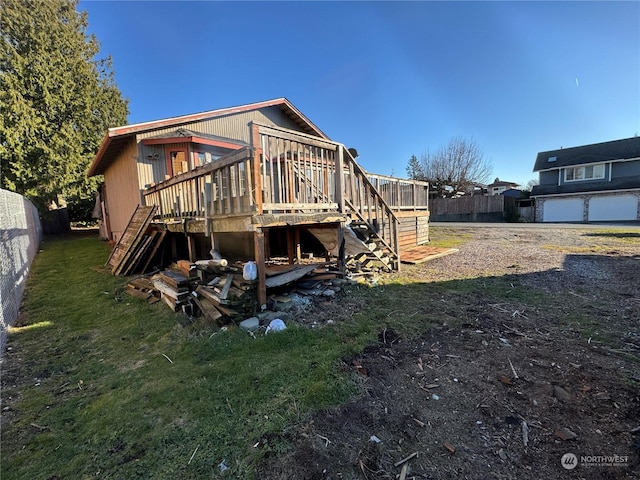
191 246
341 250
340 179
258 245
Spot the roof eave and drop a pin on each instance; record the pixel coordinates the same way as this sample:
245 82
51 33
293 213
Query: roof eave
93 169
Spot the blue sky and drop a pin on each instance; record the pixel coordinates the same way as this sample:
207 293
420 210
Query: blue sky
392 79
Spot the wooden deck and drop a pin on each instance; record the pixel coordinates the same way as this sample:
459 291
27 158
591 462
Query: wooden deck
424 253
288 178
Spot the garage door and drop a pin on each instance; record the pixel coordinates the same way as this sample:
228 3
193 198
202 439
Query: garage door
563 210
619 207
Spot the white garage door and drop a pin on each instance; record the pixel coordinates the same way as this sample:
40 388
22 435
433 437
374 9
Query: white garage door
563 210
619 207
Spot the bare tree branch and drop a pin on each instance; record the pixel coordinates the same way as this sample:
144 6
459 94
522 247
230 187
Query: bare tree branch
455 168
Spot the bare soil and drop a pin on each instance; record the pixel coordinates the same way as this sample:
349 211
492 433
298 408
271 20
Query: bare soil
494 389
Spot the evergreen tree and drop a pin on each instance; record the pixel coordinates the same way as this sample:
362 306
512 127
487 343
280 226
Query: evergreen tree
56 101
414 169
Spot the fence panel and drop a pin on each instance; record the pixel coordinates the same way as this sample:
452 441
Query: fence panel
20 235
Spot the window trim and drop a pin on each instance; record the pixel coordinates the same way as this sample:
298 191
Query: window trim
169 151
584 168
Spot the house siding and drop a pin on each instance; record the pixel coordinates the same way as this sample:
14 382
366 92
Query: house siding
152 170
233 126
549 178
123 191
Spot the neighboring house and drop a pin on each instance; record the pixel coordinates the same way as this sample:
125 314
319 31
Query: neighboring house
590 183
498 186
258 180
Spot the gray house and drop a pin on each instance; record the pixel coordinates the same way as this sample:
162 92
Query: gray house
590 183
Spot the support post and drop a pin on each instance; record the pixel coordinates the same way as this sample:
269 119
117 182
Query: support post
214 241
254 131
258 245
340 179
396 241
341 247
207 212
296 241
291 249
191 245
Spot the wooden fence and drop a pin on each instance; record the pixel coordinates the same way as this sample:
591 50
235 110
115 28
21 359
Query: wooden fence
471 208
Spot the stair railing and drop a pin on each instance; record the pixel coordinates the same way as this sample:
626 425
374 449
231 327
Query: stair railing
361 198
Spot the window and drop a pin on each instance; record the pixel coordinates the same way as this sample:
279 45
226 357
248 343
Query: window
588 172
177 162
204 158
552 159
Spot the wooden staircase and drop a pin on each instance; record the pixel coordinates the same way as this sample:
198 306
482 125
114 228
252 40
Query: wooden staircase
377 254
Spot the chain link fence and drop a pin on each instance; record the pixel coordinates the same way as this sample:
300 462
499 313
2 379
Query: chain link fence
20 235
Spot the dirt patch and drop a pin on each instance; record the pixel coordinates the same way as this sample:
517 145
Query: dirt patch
495 389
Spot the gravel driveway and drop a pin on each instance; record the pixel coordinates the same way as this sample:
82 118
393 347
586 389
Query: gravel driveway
568 254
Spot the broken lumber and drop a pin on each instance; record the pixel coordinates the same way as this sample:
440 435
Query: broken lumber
187 268
174 279
207 309
288 277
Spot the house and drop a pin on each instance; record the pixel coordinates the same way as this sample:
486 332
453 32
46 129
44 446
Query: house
590 183
255 182
498 187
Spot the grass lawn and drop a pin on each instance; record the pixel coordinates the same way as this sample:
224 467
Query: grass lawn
99 384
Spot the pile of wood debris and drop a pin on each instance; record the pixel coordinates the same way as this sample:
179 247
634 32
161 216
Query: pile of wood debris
218 291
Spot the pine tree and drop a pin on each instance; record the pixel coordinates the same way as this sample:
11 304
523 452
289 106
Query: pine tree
414 169
56 101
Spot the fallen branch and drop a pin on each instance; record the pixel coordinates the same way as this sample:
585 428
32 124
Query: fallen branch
418 421
405 459
193 455
480 403
326 440
403 472
170 361
515 374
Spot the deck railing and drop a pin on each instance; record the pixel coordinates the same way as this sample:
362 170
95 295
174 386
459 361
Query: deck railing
298 172
401 194
224 187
